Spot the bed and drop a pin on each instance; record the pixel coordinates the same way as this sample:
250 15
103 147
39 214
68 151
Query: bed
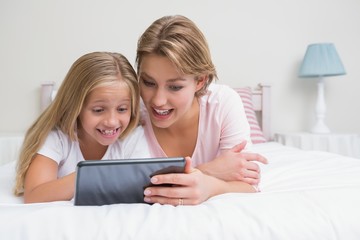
304 195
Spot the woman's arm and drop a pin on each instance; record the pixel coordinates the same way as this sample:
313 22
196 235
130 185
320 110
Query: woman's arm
42 184
226 117
235 165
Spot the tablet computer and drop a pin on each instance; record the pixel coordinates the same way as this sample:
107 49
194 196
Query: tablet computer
101 182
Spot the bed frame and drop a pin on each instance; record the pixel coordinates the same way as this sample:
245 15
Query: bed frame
262 106
261 102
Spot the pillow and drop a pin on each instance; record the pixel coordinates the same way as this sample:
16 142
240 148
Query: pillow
256 135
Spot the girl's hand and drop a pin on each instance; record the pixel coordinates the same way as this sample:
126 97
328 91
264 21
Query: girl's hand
235 165
190 188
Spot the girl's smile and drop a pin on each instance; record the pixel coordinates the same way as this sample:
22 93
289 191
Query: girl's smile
109 133
106 113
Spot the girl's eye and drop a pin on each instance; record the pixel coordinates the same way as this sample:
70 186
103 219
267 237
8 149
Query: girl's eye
122 109
148 83
98 110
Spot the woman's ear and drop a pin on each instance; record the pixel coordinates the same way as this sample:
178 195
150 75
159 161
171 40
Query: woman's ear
200 81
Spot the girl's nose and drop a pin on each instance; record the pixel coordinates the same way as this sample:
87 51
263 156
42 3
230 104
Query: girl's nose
111 119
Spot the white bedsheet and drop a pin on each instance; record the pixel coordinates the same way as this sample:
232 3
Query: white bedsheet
304 195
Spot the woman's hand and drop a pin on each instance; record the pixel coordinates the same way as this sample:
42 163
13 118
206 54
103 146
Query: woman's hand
235 165
190 188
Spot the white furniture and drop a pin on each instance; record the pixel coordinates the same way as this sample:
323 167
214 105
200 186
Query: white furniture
10 144
344 144
262 105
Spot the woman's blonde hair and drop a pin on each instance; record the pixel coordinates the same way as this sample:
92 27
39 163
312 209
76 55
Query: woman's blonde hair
86 74
181 41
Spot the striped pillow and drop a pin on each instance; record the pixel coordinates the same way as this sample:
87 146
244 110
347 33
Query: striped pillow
256 135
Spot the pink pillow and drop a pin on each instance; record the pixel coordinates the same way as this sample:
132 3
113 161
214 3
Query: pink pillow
256 135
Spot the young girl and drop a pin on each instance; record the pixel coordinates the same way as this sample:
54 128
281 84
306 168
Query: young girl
188 116
96 107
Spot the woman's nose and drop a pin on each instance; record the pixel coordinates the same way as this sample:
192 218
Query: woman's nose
159 98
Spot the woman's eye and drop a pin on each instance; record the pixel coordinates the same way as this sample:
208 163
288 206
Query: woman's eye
148 83
175 88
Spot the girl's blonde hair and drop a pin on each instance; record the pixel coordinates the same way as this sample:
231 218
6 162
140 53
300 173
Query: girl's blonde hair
87 73
181 41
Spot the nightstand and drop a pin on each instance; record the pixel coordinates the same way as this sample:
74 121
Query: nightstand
344 144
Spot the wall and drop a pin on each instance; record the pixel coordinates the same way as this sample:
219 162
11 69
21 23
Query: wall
251 42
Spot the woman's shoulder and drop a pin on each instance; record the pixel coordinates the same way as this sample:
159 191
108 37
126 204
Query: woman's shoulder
221 92
216 87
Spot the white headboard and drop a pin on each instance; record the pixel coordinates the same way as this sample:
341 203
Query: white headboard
47 94
262 106
261 102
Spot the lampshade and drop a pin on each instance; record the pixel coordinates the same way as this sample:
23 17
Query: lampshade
321 60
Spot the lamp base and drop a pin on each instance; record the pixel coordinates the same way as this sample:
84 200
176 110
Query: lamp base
321 128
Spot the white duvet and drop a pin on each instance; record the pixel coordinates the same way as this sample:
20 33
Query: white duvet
304 195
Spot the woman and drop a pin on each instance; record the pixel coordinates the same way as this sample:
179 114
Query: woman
186 115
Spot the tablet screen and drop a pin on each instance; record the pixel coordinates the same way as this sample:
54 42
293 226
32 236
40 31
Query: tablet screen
100 182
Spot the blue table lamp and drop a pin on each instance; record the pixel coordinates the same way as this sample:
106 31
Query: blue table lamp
321 60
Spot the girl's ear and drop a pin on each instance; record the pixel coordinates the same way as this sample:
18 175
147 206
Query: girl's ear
200 81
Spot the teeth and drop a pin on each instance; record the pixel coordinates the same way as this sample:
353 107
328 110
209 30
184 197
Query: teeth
108 132
162 112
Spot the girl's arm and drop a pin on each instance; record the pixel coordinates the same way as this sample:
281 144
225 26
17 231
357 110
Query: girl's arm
42 184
